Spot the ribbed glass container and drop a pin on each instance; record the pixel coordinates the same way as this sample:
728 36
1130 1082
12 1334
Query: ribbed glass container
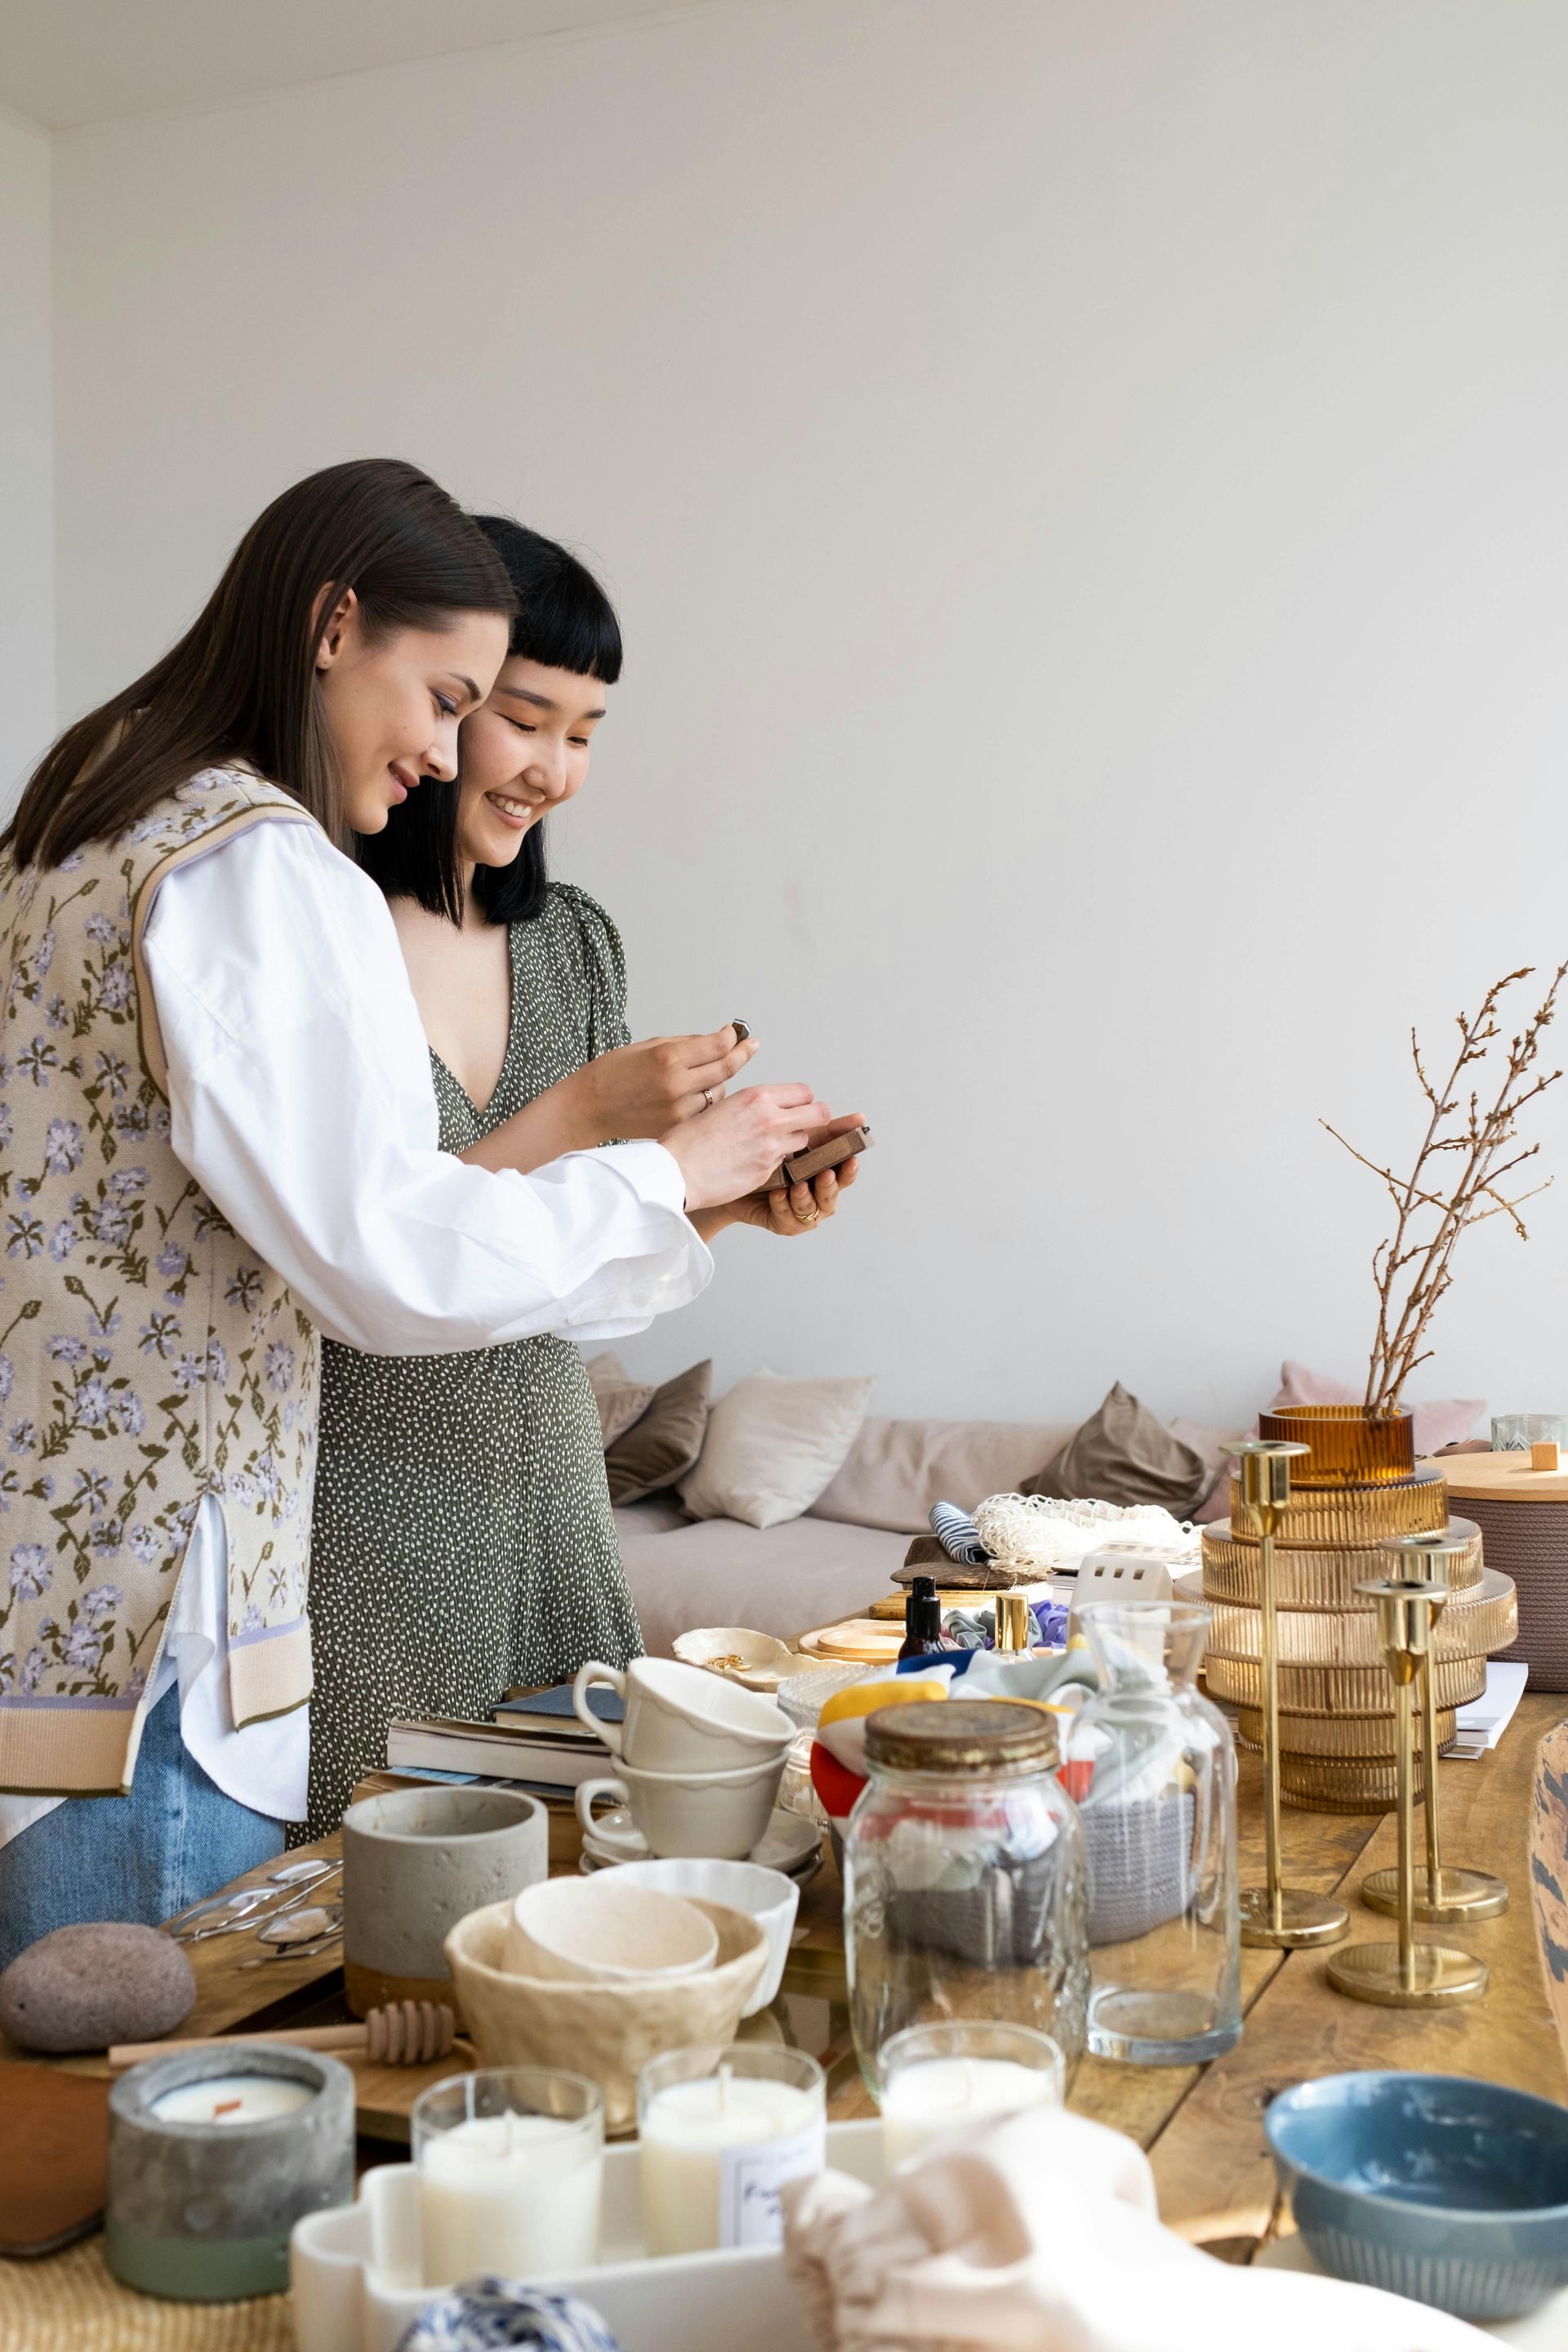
1349 1447
1473 1624
1354 1516
1319 1784
1316 1579
1337 1690
1353 1737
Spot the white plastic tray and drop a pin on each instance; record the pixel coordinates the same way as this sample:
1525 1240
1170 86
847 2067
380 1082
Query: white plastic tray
355 2271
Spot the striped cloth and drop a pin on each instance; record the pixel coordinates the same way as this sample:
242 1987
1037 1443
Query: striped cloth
958 1535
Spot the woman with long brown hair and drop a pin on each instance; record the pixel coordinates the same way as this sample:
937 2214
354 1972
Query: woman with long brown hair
219 1140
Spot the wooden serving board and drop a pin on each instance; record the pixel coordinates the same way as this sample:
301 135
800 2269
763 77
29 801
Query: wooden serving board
1497 1478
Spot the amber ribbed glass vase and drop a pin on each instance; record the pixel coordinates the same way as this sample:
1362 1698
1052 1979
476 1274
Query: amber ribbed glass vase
1350 1447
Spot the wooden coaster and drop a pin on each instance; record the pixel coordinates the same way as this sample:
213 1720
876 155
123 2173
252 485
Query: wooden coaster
859 1638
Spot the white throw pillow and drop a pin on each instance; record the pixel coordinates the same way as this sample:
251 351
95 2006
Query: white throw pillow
771 1447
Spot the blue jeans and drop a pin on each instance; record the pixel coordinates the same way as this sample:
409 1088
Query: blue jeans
173 1839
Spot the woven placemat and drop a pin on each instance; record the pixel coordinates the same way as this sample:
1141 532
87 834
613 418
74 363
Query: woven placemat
69 2302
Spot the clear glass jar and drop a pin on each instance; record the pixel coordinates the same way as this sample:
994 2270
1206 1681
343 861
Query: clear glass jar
1159 1826
963 1878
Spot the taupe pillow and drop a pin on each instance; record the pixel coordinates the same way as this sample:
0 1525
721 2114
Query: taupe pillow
771 1447
664 1442
1123 1453
620 1399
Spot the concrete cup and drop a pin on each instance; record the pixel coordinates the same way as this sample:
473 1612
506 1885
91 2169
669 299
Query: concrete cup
415 1863
682 1719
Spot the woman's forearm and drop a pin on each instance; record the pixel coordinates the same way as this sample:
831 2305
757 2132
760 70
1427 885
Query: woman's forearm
559 1120
711 1221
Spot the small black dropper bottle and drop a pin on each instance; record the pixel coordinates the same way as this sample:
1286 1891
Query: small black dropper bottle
922 1620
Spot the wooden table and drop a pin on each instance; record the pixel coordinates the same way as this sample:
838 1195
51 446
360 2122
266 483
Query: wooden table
1203 2126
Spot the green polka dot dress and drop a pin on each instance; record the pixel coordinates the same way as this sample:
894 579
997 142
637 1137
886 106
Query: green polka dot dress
463 1540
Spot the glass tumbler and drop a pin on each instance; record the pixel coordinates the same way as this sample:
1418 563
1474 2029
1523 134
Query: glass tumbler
1158 1824
511 2165
1516 1432
963 1878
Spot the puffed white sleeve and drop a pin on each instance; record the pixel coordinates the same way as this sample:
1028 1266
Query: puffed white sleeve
300 1100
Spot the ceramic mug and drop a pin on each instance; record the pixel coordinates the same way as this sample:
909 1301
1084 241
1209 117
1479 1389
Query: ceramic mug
721 1815
682 1719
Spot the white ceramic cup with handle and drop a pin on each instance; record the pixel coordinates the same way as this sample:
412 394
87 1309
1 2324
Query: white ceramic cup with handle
682 1719
721 1815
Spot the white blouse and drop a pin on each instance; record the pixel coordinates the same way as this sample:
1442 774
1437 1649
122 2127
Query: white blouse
299 1087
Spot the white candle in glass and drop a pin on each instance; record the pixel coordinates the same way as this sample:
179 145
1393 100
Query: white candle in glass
715 2153
514 2193
233 2099
924 2102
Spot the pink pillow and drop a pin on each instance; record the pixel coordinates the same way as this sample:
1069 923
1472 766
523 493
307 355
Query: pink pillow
1440 1420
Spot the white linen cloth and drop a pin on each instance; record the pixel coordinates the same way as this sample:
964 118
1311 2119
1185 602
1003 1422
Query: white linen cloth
1040 2234
301 1102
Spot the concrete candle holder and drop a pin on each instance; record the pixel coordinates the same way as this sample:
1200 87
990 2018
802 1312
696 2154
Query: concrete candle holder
212 2158
416 1862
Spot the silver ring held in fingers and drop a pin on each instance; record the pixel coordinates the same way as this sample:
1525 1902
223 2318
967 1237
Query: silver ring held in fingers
709 1097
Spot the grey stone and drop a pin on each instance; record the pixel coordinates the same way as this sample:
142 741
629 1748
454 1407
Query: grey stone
83 1988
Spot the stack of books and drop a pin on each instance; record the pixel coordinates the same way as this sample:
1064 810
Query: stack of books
534 1743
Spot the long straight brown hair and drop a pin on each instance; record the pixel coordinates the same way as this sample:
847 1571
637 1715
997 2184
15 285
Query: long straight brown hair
241 682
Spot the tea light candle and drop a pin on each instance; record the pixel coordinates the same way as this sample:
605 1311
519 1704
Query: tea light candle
718 2147
922 2103
232 2099
514 2193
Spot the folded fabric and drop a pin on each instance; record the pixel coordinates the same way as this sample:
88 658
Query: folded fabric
493 2312
958 1535
975 1629
1040 2234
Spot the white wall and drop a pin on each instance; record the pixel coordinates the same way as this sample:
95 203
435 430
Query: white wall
1086 491
27 434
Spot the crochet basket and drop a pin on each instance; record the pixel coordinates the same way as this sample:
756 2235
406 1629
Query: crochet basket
1529 1542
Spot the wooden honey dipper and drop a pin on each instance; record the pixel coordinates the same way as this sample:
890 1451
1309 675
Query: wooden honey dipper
402 2033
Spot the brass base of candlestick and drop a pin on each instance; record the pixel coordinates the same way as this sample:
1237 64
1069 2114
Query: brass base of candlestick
1438 1978
1304 1920
1466 1894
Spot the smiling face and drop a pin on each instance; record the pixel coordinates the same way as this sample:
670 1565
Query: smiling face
392 705
523 753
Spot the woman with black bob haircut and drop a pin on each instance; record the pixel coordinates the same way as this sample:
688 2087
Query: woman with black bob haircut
464 1541
218 1142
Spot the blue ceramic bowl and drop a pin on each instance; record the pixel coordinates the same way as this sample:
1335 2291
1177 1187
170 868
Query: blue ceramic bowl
1452 2191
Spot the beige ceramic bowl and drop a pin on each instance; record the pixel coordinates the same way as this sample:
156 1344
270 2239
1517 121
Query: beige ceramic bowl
574 1932
607 2032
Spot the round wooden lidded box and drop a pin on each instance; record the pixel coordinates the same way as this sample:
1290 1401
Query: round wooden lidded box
1523 1518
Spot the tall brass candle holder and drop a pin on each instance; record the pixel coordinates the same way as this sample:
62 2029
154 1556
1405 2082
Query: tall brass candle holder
1442 1892
1282 1918
1406 1974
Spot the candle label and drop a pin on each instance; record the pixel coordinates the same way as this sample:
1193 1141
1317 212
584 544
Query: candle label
750 2181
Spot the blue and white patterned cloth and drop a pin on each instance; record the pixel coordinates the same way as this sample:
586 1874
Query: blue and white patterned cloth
958 1535
488 2312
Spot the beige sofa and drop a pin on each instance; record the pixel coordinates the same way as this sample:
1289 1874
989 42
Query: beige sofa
842 1552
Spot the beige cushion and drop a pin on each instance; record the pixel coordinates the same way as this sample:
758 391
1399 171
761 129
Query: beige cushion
897 1469
620 1399
771 1447
664 1440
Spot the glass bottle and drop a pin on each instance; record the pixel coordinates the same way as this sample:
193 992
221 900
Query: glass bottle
964 1877
1158 1825
922 1620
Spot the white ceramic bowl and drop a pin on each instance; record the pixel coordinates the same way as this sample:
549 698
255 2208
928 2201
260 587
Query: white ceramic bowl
769 1898
758 1662
577 1931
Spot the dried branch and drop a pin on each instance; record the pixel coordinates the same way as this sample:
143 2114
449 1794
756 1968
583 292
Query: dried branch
1411 1271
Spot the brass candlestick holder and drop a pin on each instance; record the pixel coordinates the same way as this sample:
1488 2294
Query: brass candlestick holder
1406 1974
1443 1892
1279 1916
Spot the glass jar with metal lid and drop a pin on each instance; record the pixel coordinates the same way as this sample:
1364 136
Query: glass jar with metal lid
964 1877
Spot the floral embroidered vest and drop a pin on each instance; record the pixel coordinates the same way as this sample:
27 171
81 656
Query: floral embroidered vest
148 1356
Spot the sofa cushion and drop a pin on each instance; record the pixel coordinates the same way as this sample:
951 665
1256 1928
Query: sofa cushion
781 1580
897 1469
663 1443
620 1399
771 1447
1125 1453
